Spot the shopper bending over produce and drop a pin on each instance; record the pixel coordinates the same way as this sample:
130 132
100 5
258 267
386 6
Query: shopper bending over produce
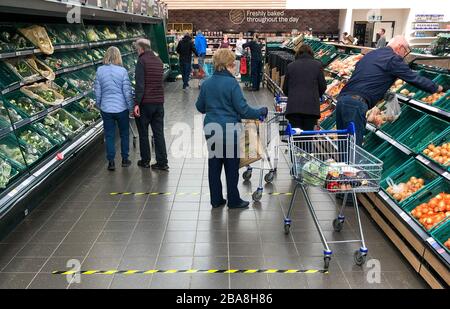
304 85
149 108
114 98
373 76
185 49
222 101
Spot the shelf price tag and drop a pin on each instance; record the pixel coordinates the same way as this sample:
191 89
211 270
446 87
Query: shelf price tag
423 160
446 175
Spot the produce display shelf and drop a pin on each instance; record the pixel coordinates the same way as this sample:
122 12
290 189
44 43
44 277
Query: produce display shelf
392 141
430 108
41 115
65 47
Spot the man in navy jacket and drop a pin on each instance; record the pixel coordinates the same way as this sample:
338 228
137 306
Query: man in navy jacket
373 76
256 64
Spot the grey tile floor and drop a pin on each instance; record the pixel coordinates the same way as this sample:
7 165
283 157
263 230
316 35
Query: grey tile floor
81 220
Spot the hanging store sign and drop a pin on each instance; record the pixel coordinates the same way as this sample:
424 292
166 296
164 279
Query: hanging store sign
262 17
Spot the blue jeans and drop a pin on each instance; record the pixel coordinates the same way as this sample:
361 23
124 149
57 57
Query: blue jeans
185 72
109 125
349 109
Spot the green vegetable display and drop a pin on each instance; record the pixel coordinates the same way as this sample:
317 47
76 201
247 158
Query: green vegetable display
47 95
69 123
14 153
52 127
92 35
10 39
12 113
6 173
27 105
53 62
36 140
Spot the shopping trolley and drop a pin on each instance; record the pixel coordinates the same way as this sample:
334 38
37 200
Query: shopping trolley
331 160
267 131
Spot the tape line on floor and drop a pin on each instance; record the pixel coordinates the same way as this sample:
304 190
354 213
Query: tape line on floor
191 271
187 193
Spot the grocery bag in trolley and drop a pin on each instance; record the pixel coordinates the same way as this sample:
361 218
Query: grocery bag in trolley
250 147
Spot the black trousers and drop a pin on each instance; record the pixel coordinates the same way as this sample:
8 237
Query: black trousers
256 70
153 115
231 165
301 121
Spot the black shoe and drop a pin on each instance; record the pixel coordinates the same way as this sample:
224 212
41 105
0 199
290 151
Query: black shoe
160 167
111 166
126 162
219 205
242 204
143 164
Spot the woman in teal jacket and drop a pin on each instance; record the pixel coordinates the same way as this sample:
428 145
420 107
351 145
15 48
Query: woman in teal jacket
222 101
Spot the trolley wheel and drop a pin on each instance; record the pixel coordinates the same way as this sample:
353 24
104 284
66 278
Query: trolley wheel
269 177
359 258
326 262
257 195
247 175
337 225
287 228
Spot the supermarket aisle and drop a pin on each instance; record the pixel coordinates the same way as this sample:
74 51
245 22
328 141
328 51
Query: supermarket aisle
178 230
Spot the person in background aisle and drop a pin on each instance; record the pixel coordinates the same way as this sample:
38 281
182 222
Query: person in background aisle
304 85
185 49
256 58
149 105
222 101
225 42
382 40
114 98
239 52
200 46
372 77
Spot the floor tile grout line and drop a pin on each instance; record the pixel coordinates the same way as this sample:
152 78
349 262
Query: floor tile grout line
165 228
42 226
131 235
103 228
60 243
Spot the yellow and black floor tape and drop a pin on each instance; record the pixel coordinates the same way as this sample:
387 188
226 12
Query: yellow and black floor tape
191 271
188 193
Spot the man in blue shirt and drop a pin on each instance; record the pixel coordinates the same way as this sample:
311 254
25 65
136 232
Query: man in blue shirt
373 76
200 46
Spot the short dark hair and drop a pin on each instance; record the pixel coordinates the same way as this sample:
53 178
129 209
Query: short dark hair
384 30
304 49
344 33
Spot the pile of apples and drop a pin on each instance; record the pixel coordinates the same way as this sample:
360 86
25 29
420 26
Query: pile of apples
447 243
431 99
345 67
433 212
324 115
440 154
407 93
335 88
404 190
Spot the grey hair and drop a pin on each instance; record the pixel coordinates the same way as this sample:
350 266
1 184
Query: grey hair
144 44
397 41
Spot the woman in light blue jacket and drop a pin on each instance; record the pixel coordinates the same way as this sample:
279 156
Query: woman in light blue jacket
114 98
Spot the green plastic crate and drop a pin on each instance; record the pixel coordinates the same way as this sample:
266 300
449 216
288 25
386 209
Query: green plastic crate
46 145
444 103
28 108
411 88
423 132
7 76
407 119
409 169
372 142
380 149
329 122
392 158
442 138
438 186
441 234
10 143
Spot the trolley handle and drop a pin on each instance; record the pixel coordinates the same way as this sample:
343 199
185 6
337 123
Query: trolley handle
296 132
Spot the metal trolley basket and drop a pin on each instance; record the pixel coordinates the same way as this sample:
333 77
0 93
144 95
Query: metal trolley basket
331 161
268 131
